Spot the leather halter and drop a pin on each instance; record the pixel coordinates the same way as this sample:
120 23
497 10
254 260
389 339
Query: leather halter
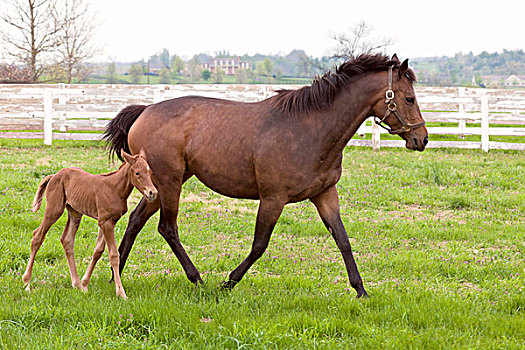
392 109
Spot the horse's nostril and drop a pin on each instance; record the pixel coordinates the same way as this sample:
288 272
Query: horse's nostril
425 140
415 141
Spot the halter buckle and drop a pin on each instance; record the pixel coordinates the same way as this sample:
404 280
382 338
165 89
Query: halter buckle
389 94
392 106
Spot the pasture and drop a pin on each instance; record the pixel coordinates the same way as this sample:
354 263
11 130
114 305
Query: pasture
438 237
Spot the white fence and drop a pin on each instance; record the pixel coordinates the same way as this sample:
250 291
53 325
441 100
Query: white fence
71 109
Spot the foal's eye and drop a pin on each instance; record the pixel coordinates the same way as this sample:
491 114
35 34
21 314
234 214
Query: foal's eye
137 174
410 100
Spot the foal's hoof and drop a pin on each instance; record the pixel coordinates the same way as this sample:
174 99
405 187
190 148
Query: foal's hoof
27 288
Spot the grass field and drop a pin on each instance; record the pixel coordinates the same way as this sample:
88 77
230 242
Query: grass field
438 237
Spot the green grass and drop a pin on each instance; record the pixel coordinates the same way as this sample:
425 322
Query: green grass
438 238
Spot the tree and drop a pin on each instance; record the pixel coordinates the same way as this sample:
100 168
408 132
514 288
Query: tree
111 72
32 32
206 74
357 41
164 58
75 38
268 66
177 65
193 68
135 72
10 73
242 76
218 75
260 70
164 76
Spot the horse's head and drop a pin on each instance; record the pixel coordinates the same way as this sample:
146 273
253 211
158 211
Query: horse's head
140 174
398 107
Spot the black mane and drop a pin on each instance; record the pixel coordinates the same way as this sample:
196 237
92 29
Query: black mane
320 95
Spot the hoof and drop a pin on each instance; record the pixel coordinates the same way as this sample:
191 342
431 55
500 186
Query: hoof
26 279
122 296
27 288
83 286
227 285
362 294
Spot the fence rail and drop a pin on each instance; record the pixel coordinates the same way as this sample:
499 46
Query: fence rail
34 111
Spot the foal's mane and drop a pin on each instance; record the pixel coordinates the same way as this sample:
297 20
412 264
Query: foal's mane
320 95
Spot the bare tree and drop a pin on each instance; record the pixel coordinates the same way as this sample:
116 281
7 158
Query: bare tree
358 40
31 31
75 37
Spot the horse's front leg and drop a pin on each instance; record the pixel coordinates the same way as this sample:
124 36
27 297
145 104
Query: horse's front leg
327 204
269 211
169 193
107 228
137 219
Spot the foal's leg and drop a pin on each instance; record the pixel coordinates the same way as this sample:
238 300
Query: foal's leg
137 219
68 242
54 210
327 204
170 196
99 249
267 216
108 229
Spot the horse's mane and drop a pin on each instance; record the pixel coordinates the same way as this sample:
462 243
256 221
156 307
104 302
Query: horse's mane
113 172
320 95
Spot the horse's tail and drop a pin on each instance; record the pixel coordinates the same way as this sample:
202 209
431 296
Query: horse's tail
37 202
117 130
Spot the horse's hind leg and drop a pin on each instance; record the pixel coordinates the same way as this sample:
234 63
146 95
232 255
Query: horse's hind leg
68 242
267 216
327 204
99 249
54 210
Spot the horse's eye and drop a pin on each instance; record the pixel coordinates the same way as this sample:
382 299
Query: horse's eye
410 100
137 174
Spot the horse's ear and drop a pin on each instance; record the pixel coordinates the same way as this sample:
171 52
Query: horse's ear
395 59
404 67
142 153
127 158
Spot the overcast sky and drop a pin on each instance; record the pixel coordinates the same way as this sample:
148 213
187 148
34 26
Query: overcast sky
132 30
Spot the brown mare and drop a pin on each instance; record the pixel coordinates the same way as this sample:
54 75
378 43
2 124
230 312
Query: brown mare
102 197
284 149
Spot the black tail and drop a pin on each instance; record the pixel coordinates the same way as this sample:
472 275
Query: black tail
117 130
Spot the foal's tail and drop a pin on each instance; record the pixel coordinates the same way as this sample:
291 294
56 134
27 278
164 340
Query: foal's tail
116 133
37 202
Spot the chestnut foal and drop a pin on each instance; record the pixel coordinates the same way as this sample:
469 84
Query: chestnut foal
102 197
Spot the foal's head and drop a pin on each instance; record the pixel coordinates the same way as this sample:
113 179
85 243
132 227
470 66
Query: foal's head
140 174
399 109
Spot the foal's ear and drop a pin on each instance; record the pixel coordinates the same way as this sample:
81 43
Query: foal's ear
142 153
404 67
395 59
127 158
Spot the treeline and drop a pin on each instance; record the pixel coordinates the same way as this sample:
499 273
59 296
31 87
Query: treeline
469 69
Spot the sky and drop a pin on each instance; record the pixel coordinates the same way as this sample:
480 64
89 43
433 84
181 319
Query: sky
132 30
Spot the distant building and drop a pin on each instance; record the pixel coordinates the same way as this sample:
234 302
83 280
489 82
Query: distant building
229 65
515 80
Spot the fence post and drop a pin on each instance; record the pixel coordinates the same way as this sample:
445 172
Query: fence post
462 121
376 136
484 123
48 117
